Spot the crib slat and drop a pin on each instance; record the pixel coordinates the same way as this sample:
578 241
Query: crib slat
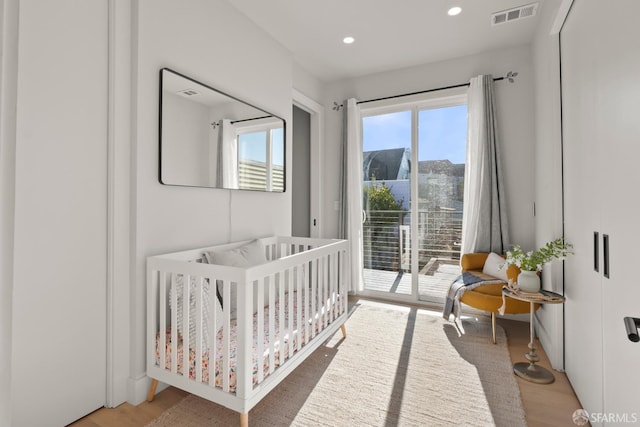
327 296
308 314
345 282
281 317
314 296
329 300
213 332
162 301
332 293
329 268
272 321
329 286
289 314
298 327
226 337
186 307
325 266
342 285
260 329
198 316
174 324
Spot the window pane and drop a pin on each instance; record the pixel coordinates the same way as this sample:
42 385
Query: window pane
277 159
386 201
252 161
442 136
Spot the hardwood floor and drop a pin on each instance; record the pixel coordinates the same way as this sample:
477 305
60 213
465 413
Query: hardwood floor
544 405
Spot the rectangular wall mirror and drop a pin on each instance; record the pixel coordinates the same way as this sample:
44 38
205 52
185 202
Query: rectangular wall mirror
210 139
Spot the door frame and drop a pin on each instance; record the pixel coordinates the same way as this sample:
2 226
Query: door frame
119 173
413 103
316 113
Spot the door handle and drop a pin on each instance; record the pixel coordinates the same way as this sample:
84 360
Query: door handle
632 324
596 251
605 248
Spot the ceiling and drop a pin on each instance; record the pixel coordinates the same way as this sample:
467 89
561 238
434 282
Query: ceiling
390 34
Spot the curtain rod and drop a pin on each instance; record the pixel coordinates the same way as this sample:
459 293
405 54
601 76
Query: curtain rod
248 120
510 77
216 124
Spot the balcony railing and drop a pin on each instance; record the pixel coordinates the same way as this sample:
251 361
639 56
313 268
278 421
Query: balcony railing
387 238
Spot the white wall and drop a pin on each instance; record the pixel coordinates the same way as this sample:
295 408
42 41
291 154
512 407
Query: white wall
306 83
515 122
548 173
209 41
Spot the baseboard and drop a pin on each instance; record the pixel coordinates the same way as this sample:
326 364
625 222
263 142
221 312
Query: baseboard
139 388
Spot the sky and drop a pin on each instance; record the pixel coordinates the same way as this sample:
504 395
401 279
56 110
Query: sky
442 133
253 146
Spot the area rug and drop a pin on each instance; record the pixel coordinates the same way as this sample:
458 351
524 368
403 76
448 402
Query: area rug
398 366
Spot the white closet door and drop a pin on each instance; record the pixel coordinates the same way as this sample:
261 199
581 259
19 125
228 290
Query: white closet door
59 303
618 51
583 289
601 62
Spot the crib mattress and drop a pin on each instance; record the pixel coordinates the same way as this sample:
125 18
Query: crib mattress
286 341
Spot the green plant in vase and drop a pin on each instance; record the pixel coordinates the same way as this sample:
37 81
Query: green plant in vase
532 262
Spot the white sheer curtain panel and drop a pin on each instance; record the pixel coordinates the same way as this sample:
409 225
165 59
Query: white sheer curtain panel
227 155
350 226
484 223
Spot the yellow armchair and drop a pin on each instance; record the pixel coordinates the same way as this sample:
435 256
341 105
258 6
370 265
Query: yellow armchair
489 297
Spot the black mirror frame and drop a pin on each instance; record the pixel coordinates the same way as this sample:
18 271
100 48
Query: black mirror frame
160 122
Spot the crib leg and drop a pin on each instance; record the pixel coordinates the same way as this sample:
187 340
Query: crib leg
152 390
244 420
344 330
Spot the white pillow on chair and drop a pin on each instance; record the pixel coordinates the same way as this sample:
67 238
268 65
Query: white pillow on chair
495 266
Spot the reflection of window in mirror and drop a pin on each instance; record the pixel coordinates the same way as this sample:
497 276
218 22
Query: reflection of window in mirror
261 157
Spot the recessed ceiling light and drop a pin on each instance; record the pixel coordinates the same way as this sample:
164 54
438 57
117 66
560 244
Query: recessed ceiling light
454 11
348 40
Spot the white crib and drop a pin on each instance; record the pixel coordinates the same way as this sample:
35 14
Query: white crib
285 308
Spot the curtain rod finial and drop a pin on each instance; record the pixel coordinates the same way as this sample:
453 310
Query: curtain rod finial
336 106
511 76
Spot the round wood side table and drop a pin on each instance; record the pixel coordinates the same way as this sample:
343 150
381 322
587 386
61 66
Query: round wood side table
529 370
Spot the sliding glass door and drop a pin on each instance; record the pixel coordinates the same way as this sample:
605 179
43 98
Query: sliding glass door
413 186
386 188
442 136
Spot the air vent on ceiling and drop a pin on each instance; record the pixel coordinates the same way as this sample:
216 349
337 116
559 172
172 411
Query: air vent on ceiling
514 14
187 92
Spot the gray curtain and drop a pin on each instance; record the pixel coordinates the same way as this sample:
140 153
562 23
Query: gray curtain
343 225
484 224
227 167
350 227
